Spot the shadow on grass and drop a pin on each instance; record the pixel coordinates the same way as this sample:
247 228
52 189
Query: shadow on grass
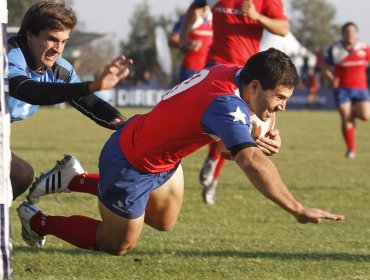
313 256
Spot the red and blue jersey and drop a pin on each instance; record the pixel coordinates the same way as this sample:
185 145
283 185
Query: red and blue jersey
237 37
349 65
189 116
201 31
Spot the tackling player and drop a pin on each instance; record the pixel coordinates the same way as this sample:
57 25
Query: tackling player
38 75
345 67
141 178
237 27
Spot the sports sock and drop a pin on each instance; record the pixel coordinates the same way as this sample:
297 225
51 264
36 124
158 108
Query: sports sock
213 152
85 183
349 136
218 169
79 231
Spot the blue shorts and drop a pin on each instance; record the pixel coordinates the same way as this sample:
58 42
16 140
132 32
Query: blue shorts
122 188
344 95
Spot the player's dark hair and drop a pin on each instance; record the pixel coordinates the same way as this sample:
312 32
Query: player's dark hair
348 24
271 68
53 15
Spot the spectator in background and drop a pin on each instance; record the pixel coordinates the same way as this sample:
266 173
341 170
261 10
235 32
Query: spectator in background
345 67
237 29
196 48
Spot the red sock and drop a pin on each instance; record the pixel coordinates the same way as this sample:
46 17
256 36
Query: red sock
349 136
79 231
85 183
218 169
213 153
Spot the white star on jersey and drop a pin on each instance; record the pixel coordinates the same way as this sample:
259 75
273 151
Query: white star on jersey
239 115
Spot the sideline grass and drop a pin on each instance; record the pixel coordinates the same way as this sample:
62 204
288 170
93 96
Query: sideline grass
243 236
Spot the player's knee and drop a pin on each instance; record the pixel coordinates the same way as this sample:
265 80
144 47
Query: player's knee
366 116
28 176
122 249
363 117
21 176
21 171
114 246
168 226
163 225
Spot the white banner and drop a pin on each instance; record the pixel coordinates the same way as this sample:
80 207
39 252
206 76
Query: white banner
138 97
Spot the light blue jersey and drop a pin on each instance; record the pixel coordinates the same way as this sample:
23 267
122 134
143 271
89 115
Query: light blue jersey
61 72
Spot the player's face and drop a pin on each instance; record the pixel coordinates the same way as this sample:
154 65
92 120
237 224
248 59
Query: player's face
350 35
265 102
47 46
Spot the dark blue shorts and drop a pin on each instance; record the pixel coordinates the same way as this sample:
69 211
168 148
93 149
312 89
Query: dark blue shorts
122 188
344 95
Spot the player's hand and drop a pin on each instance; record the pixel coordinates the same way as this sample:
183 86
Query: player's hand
112 74
313 215
117 122
196 45
188 45
248 9
271 144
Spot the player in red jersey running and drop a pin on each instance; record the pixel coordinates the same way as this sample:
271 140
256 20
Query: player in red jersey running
238 26
345 67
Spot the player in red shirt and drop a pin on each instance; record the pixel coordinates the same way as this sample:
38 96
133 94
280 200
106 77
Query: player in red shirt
345 67
141 179
200 38
238 27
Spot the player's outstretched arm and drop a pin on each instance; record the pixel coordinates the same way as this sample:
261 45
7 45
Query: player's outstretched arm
265 177
112 74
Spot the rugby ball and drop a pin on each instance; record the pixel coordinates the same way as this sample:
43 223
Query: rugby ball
257 129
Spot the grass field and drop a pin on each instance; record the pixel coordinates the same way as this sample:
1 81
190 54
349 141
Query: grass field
243 236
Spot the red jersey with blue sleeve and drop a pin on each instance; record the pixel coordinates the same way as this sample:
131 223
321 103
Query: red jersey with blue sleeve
191 115
237 37
349 65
